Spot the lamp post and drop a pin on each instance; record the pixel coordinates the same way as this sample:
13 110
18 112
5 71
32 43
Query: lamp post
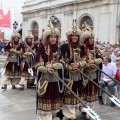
54 19
15 25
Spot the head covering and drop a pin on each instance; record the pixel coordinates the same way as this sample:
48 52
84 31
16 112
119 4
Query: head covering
50 31
47 47
15 34
29 35
87 32
74 30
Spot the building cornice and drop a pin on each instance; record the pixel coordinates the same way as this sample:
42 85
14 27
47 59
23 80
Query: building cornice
46 5
30 9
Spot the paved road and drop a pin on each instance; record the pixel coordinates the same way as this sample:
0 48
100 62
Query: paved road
19 104
2 60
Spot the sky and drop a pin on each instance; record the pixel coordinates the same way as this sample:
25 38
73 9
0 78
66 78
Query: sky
16 6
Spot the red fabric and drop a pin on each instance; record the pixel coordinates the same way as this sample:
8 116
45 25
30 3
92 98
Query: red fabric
29 43
53 48
73 45
42 48
118 74
14 43
36 43
88 46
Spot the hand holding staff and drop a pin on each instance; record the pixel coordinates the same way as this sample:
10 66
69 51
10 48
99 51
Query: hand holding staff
86 108
111 97
30 48
30 70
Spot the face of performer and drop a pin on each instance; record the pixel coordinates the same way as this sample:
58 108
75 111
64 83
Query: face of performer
74 38
29 39
91 41
53 39
16 39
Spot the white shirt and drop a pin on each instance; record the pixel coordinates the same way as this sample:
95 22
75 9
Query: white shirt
113 57
109 69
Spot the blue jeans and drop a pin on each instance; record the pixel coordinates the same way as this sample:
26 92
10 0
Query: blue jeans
110 86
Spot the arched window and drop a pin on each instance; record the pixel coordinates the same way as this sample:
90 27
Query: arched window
86 19
35 26
35 31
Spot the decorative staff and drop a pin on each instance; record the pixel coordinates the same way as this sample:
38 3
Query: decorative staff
30 70
86 108
111 97
106 74
2 70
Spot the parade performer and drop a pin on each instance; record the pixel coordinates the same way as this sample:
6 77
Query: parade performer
28 58
14 51
90 89
49 92
72 56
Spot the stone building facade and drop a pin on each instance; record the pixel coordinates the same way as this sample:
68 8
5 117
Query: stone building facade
103 15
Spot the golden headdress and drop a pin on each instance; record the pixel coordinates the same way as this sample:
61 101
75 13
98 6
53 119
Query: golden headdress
51 30
87 32
15 34
29 35
74 30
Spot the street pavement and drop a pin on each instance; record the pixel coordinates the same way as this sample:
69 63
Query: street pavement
17 104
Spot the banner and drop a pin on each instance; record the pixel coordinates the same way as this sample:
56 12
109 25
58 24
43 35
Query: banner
5 18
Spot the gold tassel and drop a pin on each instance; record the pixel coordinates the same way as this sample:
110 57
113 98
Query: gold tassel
86 82
22 66
69 84
70 53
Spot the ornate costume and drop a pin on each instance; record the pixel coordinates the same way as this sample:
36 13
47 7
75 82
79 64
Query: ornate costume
90 90
14 51
28 58
50 90
72 53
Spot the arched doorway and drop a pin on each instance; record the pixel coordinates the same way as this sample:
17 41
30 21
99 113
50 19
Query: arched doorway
87 20
35 31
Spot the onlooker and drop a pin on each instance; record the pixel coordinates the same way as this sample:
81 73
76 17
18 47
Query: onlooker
111 70
118 68
114 55
118 54
107 45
